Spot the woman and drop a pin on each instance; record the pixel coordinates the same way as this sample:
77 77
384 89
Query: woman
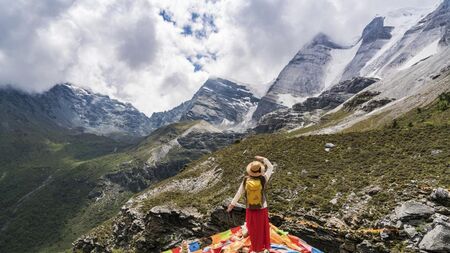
257 215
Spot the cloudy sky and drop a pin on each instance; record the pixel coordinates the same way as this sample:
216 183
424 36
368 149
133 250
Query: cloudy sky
156 54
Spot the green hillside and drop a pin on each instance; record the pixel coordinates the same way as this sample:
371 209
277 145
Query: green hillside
400 160
48 174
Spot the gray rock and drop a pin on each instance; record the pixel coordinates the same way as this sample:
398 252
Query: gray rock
330 145
410 230
376 103
78 109
440 195
365 247
373 190
437 240
308 112
335 96
334 201
217 101
413 210
374 36
356 102
282 119
440 219
302 77
436 151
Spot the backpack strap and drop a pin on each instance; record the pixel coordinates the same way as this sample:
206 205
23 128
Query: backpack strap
263 181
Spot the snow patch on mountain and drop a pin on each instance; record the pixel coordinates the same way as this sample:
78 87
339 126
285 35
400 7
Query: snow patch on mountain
257 89
289 100
401 20
426 52
340 58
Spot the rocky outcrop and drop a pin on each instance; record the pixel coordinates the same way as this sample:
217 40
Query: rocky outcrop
441 196
335 96
218 101
309 111
373 38
412 210
72 108
376 103
160 119
360 99
304 76
283 119
136 176
437 240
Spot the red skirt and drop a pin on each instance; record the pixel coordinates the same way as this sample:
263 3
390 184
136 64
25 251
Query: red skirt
258 228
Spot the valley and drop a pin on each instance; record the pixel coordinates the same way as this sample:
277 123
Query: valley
358 135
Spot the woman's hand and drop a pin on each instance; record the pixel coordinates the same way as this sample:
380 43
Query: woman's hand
260 158
230 208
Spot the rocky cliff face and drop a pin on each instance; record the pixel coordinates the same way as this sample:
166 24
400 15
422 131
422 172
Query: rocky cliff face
335 96
375 35
70 107
160 119
218 101
309 111
417 44
304 76
166 152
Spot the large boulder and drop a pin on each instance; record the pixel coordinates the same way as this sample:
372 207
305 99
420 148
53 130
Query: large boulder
437 240
413 210
440 195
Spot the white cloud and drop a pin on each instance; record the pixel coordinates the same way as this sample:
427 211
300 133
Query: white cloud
127 50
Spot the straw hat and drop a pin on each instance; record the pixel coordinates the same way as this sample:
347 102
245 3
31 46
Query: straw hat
256 169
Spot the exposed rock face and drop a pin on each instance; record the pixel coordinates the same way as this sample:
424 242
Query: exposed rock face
433 28
308 112
160 119
439 18
335 96
187 147
376 103
302 77
218 101
440 195
282 119
360 99
412 210
71 107
374 36
74 107
143 231
437 240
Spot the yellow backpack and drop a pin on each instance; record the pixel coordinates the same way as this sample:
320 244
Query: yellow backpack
254 192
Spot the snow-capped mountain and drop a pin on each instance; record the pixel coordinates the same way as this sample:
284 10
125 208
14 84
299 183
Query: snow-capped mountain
418 42
387 45
71 107
303 77
218 101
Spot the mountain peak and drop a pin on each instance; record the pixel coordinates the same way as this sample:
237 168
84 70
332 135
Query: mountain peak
376 30
68 87
324 40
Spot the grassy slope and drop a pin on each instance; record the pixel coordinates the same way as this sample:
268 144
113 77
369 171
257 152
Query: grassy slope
55 215
389 158
434 114
308 177
57 159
